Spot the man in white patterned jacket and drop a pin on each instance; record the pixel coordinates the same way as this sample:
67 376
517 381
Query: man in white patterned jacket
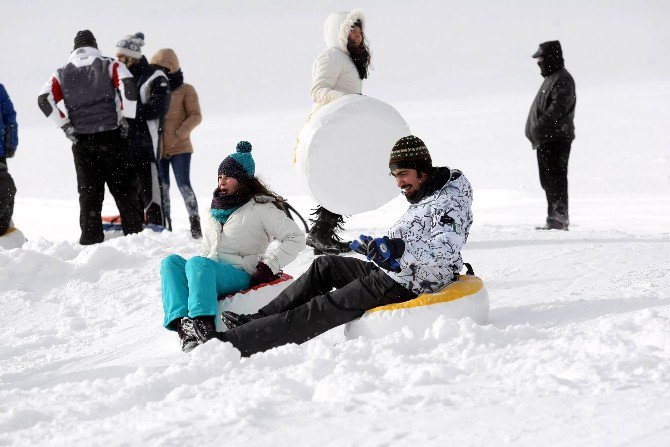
421 254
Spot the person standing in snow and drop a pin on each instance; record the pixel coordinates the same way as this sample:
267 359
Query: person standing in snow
9 140
420 254
90 98
147 127
550 128
339 70
244 218
176 148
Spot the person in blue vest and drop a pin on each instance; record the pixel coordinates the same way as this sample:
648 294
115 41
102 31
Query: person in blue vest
146 129
9 140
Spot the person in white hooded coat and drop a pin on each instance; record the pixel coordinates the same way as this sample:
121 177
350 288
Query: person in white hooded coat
339 70
243 220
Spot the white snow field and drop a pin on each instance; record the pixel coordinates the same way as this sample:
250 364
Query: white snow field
577 349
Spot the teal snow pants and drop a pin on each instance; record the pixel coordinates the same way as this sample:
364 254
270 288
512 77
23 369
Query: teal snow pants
191 288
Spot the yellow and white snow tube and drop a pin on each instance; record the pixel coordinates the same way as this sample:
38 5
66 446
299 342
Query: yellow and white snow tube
466 297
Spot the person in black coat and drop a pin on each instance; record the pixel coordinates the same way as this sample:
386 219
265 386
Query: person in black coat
550 128
146 129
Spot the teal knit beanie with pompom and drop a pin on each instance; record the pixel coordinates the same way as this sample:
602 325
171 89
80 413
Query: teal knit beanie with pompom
239 165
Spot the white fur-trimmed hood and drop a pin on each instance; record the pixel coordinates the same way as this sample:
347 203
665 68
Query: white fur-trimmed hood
337 26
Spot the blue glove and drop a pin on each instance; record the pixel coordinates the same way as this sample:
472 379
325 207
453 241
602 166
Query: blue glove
384 252
361 245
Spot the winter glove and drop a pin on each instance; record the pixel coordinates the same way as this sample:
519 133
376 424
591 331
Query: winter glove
384 252
262 275
123 128
9 150
70 133
361 245
9 134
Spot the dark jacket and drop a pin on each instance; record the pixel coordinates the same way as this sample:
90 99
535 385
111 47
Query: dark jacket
9 131
552 114
154 100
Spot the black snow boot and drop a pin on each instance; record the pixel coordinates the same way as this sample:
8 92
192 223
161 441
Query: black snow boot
199 328
188 341
196 231
322 237
232 320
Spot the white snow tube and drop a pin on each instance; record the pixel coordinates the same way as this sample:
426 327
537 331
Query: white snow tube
250 300
343 150
13 238
466 297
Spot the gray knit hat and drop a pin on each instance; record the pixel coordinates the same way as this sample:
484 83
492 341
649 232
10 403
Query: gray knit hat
131 45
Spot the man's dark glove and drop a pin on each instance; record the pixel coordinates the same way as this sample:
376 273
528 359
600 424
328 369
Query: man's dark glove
123 128
9 150
70 133
262 275
382 251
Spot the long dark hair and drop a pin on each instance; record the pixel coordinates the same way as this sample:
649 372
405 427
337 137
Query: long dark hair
258 191
360 55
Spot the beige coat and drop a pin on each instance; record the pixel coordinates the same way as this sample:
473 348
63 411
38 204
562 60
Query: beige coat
184 112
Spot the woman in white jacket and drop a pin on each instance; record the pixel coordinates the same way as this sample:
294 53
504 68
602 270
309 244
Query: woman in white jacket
239 227
339 70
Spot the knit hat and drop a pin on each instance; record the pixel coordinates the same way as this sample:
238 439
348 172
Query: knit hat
131 45
85 38
410 152
239 165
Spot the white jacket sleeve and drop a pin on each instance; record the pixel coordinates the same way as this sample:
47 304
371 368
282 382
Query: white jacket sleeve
124 83
325 72
48 99
283 229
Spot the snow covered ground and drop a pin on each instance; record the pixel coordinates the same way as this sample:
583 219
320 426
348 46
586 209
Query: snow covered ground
577 350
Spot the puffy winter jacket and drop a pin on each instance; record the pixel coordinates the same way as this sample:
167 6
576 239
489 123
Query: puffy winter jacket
551 117
244 239
334 73
95 91
147 127
9 129
434 231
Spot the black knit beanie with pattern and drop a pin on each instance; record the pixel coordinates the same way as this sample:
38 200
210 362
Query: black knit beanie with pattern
410 152
85 38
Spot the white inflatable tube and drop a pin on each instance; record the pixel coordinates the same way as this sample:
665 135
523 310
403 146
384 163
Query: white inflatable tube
343 150
466 297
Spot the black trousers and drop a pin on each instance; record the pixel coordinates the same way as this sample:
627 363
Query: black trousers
98 159
7 194
310 306
552 161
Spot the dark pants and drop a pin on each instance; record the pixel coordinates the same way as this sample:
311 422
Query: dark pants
7 194
310 306
181 167
150 190
98 159
552 161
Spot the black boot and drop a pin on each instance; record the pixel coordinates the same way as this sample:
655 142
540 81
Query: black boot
322 237
196 231
232 320
188 341
199 328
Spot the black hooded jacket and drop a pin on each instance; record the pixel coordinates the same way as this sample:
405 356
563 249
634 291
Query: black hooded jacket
551 117
154 91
